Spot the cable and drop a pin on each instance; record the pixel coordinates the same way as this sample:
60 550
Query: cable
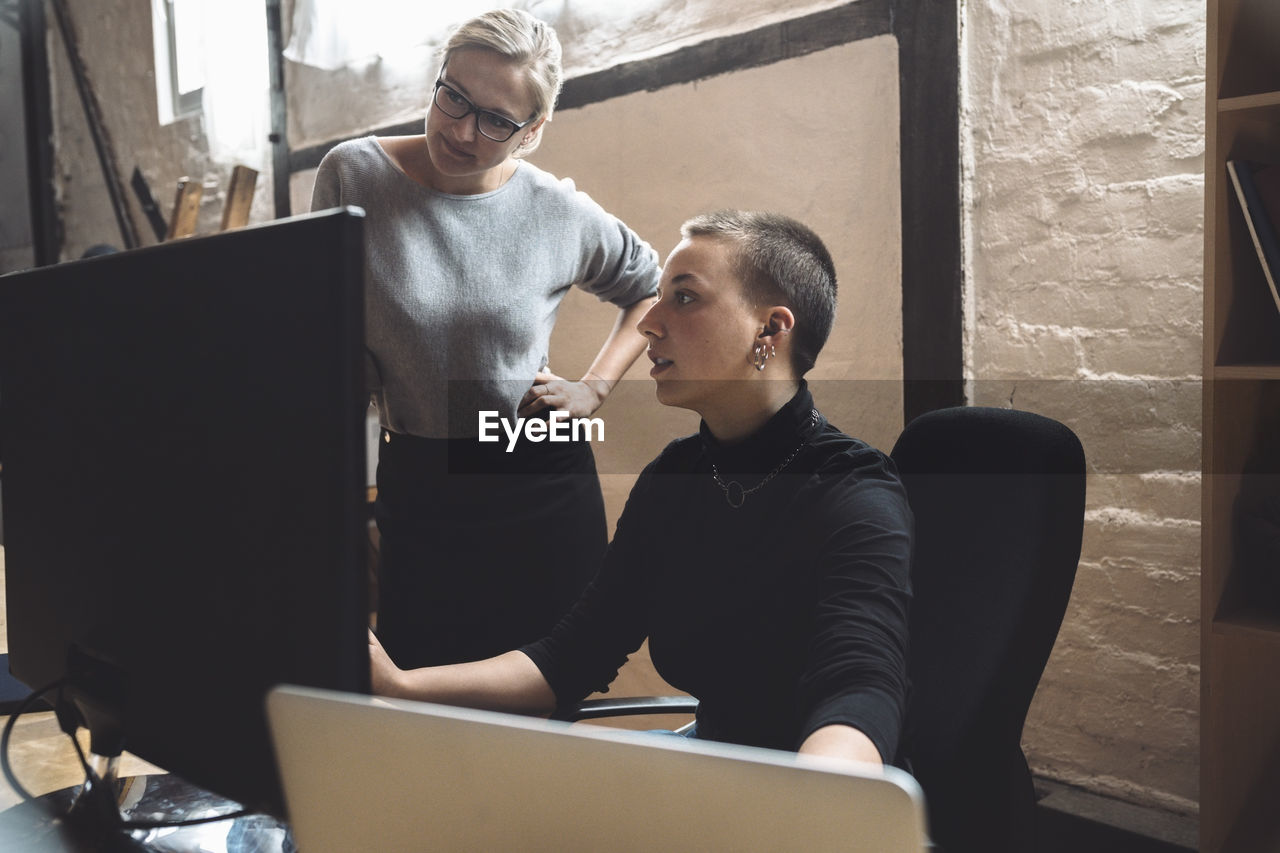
91 777
194 821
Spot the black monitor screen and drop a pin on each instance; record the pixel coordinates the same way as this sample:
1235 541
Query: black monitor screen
182 451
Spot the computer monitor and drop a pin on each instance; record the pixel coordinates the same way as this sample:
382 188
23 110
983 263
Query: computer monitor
182 434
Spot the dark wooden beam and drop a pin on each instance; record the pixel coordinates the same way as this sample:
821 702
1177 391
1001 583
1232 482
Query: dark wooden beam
785 40
46 226
932 274
280 169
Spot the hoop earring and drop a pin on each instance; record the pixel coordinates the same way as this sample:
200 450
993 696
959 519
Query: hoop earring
760 355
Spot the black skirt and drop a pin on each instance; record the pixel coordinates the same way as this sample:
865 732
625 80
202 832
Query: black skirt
481 550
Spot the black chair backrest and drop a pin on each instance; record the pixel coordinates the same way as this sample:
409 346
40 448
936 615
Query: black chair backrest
998 497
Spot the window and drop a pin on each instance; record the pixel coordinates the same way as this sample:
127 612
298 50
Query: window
178 32
211 60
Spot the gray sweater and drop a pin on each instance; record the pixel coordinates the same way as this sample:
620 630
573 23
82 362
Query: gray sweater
461 292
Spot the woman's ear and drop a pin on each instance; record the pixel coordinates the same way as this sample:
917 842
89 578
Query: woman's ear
772 340
778 321
530 133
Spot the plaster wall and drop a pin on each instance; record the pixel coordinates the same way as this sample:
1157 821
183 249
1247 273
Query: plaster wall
1083 133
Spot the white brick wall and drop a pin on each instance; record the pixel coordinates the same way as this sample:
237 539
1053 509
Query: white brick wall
1083 135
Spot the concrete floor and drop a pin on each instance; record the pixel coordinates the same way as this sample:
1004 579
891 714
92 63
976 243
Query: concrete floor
1070 820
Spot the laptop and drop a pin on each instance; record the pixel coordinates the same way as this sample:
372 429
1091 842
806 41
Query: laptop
367 774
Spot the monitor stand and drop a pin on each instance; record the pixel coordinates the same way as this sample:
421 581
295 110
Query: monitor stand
13 693
76 820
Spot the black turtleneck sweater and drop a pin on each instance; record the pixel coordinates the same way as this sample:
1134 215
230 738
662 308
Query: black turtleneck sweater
782 615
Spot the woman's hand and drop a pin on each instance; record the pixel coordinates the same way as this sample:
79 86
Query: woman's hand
579 399
510 682
383 673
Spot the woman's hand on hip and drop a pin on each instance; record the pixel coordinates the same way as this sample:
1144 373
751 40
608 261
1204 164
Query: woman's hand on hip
578 399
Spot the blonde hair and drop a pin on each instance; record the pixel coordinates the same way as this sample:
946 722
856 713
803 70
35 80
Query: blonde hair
525 40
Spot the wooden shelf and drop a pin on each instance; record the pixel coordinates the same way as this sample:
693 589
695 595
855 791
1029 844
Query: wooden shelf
1262 627
1254 372
1257 828
1240 604
1242 47
1244 103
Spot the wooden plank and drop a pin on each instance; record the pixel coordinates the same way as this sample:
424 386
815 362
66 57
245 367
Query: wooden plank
150 209
235 213
186 209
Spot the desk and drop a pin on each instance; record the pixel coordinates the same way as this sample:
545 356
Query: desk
38 826
46 765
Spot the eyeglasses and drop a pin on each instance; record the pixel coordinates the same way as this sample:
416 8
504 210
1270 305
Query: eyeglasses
454 104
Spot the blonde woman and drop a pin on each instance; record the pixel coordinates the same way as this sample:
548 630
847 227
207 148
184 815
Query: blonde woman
469 251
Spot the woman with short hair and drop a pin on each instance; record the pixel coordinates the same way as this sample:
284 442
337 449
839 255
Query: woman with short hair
766 558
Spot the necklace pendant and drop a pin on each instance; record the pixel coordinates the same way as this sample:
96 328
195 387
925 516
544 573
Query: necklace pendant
735 494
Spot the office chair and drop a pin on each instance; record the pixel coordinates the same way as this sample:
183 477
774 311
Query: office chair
998 498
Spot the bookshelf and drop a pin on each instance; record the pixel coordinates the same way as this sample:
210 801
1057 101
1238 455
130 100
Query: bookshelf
1240 585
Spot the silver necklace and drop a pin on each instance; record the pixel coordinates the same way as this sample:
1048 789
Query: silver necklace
734 492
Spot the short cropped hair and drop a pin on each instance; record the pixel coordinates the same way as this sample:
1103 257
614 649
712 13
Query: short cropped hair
527 41
780 262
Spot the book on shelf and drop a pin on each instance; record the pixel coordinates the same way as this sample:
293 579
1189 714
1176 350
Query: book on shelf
1257 188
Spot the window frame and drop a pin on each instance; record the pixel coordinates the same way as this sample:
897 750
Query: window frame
173 103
